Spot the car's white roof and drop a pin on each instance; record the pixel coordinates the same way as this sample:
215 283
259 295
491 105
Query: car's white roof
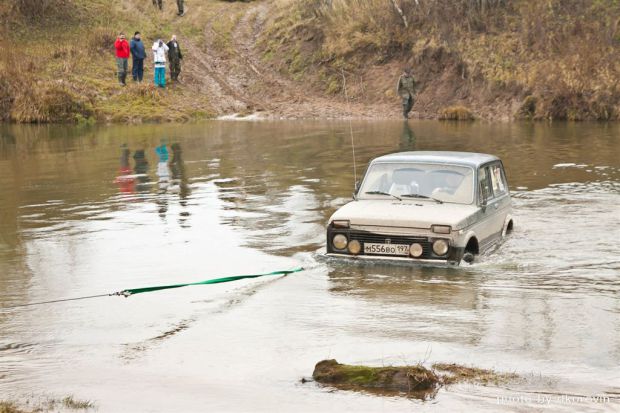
456 158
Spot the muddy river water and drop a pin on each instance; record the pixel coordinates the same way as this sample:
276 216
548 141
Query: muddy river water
247 197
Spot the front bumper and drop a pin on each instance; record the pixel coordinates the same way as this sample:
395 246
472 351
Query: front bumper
392 259
453 257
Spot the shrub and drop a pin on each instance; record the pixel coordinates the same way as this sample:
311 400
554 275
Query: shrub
456 113
527 110
102 39
6 98
38 9
48 103
59 104
144 90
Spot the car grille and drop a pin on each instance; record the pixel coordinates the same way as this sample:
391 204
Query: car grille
367 237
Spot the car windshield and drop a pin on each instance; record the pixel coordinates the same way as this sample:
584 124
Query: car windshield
416 181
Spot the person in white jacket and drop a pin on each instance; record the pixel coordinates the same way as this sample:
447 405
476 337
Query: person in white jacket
159 57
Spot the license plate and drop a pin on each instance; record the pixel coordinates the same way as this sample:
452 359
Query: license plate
386 249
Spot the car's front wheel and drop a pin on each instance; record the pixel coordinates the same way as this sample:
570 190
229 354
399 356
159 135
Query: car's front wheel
469 257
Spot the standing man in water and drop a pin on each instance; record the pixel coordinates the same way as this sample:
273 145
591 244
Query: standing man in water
122 54
174 58
406 90
138 54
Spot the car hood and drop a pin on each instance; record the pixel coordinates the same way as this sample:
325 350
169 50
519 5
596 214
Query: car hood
410 214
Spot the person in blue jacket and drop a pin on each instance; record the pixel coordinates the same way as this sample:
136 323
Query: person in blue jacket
138 54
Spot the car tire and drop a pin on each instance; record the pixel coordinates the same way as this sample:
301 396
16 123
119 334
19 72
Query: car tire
468 257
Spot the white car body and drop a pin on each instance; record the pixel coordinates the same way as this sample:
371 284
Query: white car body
405 202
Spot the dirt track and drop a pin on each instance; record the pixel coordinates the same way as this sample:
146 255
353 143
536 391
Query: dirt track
236 81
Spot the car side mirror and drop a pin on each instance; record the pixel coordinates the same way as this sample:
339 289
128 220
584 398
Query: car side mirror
357 188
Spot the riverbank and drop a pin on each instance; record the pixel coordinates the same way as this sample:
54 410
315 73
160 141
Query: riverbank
552 60
64 69
287 59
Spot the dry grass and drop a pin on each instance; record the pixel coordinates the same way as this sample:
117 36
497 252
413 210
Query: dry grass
38 10
455 373
46 404
9 407
25 97
456 113
72 403
64 69
221 31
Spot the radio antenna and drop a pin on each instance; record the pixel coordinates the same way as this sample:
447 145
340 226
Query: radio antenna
346 96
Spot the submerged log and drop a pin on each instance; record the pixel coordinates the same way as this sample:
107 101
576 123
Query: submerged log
410 379
416 381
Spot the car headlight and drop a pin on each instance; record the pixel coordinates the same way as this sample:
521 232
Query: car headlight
440 247
416 250
340 241
355 247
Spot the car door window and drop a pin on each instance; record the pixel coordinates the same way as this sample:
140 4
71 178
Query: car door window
504 180
497 180
484 185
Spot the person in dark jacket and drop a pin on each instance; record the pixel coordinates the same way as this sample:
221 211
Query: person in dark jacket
174 58
138 54
122 54
406 90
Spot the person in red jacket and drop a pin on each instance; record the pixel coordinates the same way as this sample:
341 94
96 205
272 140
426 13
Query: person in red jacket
122 56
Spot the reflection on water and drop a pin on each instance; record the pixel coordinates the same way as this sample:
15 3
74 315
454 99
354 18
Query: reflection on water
407 137
163 179
180 182
124 179
95 210
141 169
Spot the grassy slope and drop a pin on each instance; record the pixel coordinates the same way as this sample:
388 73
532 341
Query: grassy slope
64 69
551 59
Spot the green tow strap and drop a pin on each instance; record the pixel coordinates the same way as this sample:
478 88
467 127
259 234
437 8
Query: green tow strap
134 291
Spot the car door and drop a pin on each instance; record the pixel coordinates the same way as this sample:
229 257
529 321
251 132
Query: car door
484 227
501 195
497 202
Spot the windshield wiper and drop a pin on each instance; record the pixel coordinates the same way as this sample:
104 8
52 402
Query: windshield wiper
382 193
422 196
